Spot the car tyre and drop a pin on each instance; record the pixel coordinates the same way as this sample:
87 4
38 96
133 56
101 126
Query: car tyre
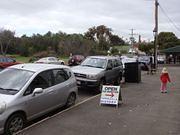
1 68
14 124
71 100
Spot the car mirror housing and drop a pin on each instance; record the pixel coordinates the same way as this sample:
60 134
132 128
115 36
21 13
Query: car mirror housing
37 91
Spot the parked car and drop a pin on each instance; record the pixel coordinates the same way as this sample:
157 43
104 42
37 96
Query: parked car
75 60
144 62
126 59
161 59
50 60
6 62
28 91
95 71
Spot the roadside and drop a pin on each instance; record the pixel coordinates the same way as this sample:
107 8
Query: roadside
145 111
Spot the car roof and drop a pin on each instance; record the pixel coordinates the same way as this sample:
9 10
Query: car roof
103 57
37 67
47 57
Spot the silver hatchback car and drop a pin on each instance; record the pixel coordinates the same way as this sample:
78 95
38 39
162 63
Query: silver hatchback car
28 91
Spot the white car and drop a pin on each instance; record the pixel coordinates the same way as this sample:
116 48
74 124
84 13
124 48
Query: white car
126 59
50 60
161 59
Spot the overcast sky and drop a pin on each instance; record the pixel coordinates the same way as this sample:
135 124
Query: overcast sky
76 16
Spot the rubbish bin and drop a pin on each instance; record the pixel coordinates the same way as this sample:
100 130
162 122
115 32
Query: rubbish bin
132 72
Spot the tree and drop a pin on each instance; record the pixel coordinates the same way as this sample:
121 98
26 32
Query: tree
146 47
100 34
116 40
6 39
167 40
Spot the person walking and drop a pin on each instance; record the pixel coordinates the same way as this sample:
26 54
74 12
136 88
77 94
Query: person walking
164 77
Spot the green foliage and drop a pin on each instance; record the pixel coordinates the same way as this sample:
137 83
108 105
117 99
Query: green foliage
167 40
96 41
116 40
103 36
146 47
115 51
6 39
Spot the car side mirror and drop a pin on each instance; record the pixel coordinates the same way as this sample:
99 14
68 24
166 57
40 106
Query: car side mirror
37 91
109 68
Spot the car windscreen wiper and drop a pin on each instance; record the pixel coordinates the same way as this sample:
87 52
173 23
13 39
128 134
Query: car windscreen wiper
11 89
88 65
2 88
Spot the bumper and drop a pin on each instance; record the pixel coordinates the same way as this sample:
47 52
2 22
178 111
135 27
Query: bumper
2 123
87 83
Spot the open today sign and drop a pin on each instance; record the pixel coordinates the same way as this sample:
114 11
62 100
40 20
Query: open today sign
110 95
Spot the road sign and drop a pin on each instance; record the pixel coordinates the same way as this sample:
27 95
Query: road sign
110 95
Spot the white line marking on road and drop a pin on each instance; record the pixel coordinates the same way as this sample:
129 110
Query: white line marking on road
39 122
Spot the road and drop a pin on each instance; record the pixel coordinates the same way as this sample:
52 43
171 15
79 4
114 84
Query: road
145 111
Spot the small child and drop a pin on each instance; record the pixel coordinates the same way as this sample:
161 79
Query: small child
164 80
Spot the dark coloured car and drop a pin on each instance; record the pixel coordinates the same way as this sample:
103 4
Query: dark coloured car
6 62
75 60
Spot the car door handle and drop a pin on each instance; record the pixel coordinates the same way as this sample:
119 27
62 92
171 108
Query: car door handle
68 84
51 91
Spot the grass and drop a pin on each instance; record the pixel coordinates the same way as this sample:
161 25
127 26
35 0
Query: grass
20 58
26 59
125 47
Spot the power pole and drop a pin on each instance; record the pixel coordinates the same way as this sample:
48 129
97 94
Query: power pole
132 36
155 31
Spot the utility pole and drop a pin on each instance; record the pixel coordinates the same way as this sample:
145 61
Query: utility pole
132 37
155 31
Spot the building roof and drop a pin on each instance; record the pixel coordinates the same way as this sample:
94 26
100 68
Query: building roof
175 49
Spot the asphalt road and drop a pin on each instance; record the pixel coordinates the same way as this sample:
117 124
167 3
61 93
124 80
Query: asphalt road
145 111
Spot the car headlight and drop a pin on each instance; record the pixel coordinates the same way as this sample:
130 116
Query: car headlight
2 107
91 76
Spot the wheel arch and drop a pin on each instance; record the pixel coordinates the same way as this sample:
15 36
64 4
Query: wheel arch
17 112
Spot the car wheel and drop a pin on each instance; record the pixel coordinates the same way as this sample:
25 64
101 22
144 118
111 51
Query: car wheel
1 68
14 124
71 100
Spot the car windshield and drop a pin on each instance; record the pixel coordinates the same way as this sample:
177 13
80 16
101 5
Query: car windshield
12 80
94 62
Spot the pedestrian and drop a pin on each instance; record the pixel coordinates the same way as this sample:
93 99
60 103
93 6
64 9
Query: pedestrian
150 65
164 77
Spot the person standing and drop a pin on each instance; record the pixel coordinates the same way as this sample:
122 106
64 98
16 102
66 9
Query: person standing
164 77
150 65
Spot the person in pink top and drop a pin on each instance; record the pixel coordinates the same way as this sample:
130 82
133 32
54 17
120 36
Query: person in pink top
164 77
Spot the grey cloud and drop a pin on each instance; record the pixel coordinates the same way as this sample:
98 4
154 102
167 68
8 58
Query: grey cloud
76 16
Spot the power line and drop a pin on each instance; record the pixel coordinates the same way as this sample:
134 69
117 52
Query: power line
170 20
